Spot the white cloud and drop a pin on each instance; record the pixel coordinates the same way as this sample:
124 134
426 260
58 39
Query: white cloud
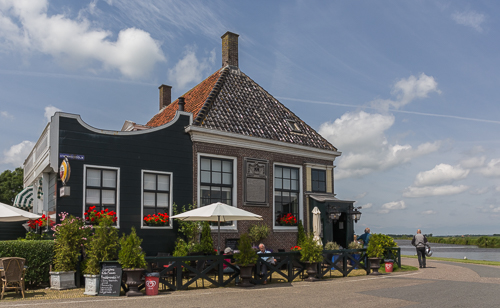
406 90
6 115
492 169
390 206
49 112
75 43
367 206
360 136
429 212
473 162
360 196
189 69
470 19
441 174
17 153
491 209
479 191
446 190
196 16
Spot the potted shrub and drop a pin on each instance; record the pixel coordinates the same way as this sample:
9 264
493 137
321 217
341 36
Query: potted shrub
311 253
301 234
376 249
70 236
245 259
131 258
102 246
258 232
356 255
330 256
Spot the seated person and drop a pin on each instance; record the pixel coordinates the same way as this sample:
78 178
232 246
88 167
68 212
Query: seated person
229 270
272 260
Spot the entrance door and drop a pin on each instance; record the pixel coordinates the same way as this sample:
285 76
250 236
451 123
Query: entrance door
340 230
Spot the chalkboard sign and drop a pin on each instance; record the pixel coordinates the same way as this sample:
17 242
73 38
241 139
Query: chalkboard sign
111 279
232 242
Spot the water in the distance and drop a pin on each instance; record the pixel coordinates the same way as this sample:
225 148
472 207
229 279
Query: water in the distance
453 251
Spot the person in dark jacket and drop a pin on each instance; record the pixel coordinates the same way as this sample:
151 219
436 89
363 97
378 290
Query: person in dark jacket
419 241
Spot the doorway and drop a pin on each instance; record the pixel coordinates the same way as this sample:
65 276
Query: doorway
340 230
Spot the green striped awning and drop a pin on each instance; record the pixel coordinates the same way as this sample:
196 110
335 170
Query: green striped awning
24 199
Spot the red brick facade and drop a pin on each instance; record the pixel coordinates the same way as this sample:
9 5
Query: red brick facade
277 239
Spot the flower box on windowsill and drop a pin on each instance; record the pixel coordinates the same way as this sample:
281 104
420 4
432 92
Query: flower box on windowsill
156 220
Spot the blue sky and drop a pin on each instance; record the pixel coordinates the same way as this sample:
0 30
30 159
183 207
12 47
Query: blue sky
406 90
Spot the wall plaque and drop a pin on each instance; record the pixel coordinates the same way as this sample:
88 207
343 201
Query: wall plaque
256 182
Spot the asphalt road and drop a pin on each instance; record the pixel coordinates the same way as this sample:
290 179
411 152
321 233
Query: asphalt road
441 284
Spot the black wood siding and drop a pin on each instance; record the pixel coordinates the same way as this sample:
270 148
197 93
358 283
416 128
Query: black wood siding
12 230
167 150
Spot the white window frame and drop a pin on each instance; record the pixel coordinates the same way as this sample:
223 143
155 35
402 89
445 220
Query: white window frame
171 175
234 226
85 167
301 197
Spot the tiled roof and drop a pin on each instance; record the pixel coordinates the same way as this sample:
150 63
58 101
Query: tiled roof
237 104
195 98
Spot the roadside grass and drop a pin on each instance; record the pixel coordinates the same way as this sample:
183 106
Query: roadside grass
482 262
396 268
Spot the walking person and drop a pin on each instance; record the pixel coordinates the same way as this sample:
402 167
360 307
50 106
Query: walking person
365 237
419 241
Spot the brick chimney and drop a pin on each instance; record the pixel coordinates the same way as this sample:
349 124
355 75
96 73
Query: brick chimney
229 49
165 95
181 103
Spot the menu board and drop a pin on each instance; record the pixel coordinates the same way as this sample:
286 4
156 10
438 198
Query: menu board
111 279
232 243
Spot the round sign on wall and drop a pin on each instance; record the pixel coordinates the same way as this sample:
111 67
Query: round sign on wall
64 171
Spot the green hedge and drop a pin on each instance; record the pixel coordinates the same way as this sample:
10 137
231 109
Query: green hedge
38 255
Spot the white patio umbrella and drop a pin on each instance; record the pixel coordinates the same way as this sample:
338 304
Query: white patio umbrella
317 225
9 213
217 212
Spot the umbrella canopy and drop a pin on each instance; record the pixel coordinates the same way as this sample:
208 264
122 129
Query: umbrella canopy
217 212
317 225
24 199
9 213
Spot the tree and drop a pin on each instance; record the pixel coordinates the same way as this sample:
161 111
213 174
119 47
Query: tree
11 183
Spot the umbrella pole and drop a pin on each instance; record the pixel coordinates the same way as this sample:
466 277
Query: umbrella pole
218 235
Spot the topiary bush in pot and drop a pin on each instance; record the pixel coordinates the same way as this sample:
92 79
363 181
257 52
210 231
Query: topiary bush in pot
312 254
102 246
246 259
131 258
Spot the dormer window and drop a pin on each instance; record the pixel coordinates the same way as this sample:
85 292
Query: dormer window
294 126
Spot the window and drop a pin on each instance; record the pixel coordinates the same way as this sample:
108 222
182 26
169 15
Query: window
293 126
101 188
216 182
156 199
318 180
286 195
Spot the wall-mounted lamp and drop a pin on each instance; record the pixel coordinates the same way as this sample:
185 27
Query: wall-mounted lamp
334 213
356 214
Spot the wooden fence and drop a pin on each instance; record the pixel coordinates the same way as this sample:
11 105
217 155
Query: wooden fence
178 273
